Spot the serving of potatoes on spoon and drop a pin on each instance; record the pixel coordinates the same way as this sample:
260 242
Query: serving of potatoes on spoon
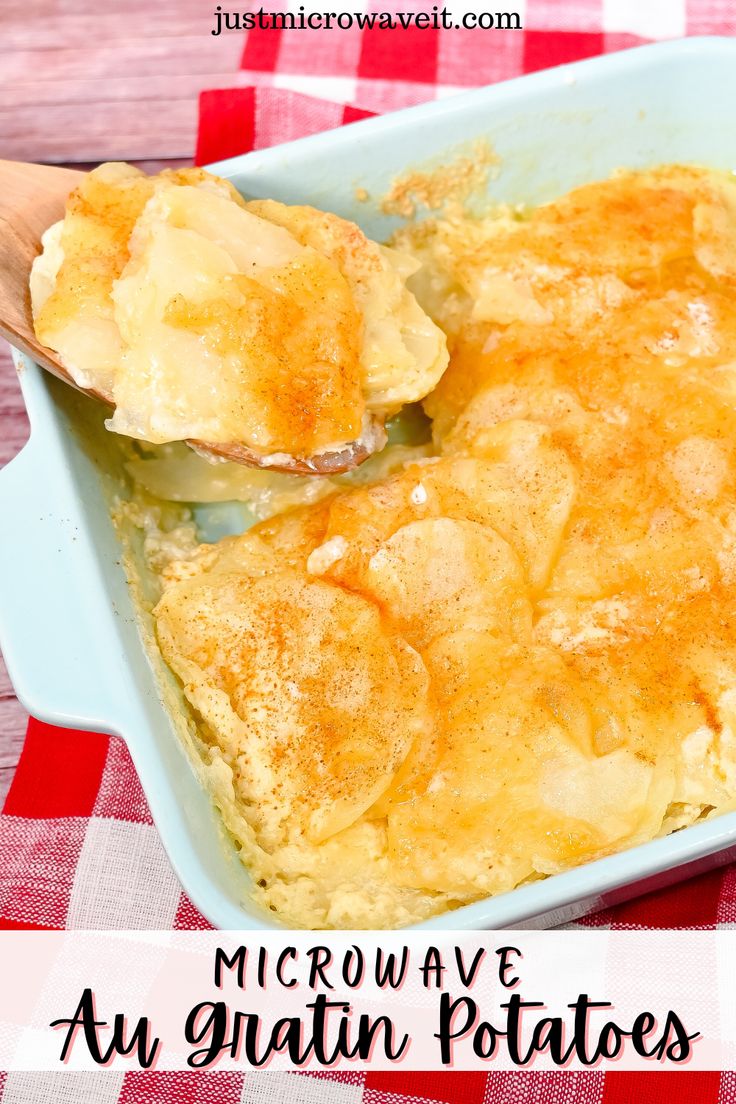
275 336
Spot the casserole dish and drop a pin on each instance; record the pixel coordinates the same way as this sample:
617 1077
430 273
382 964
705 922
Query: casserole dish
68 627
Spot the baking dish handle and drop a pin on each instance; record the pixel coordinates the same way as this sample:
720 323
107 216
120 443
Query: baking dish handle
49 584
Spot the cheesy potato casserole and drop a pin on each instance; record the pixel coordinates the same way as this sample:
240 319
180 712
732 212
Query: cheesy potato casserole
200 316
513 648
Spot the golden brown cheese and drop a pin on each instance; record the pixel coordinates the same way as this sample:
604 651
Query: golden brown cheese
202 317
320 699
561 573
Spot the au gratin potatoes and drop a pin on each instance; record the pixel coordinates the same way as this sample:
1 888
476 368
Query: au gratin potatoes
512 650
283 329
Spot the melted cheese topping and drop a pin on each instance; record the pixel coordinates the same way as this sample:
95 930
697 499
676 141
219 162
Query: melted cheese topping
204 317
518 654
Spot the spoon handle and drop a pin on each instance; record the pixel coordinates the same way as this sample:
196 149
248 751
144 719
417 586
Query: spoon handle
31 199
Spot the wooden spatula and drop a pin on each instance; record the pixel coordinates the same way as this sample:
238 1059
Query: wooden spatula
32 197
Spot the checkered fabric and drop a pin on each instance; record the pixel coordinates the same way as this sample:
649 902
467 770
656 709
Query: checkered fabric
378 70
78 848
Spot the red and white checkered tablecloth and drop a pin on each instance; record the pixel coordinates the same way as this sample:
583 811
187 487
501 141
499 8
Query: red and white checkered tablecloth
378 71
78 848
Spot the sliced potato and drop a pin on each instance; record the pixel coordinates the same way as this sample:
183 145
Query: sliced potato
515 790
434 575
525 493
315 702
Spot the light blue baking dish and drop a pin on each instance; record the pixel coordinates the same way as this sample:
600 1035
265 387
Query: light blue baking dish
67 623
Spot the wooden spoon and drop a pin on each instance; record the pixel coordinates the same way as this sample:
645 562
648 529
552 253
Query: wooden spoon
32 197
